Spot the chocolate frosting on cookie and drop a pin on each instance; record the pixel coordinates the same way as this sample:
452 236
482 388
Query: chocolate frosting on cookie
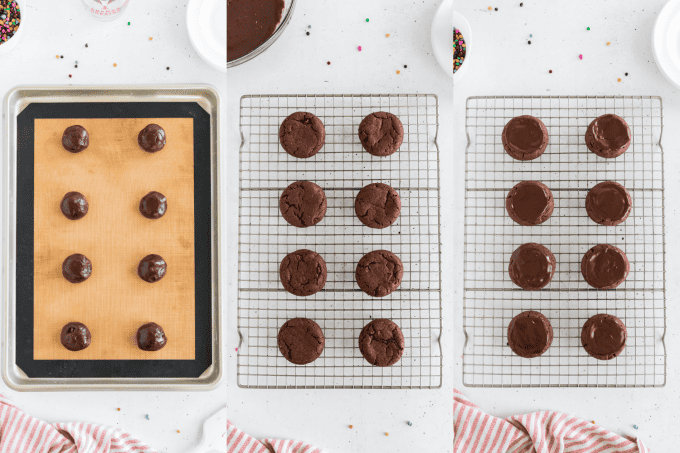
75 139
381 342
250 23
303 272
151 337
303 204
302 134
381 133
377 205
152 268
74 205
301 341
530 203
608 203
379 273
525 137
75 336
153 205
529 334
604 336
152 138
605 266
532 266
608 136
76 268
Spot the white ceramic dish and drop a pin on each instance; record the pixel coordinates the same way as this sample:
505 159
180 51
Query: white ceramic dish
207 26
666 41
442 36
462 24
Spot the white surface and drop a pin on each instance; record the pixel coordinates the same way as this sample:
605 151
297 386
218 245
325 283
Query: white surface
207 31
63 28
214 434
296 63
441 36
504 64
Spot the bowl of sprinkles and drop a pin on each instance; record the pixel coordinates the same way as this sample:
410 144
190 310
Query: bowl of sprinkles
10 24
461 46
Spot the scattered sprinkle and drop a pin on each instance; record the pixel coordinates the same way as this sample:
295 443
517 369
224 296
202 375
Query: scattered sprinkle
608 42
588 28
57 56
167 69
150 38
178 430
580 57
350 426
359 48
496 9
118 409
128 23
115 64
387 35
409 423
76 61
366 19
398 71
236 349
550 71
309 26
489 8
405 66
61 56
69 76
635 426
75 66
328 62
147 416
593 422
529 42
459 49
521 4
619 79
531 36
86 45
626 74
307 33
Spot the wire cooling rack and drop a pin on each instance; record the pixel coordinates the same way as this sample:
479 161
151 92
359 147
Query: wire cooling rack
341 168
569 169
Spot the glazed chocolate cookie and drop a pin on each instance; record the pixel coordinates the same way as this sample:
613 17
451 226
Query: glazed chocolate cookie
75 336
303 273
153 205
377 205
604 336
381 133
151 337
152 268
608 136
74 205
525 137
529 334
605 266
152 138
301 341
381 342
75 139
608 203
532 266
76 268
303 204
379 273
250 23
302 134
530 203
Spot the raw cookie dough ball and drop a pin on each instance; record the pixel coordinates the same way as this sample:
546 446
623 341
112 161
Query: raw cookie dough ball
76 268
153 205
75 139
152 138
151 337
75 336
74 205
152 268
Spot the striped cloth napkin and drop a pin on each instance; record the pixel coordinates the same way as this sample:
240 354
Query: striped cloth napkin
21 433
240 442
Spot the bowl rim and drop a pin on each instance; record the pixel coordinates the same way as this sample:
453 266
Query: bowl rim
466 30
441 59
658 39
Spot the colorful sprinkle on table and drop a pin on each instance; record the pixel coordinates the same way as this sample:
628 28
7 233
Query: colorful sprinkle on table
387 35
626 74
387 434
550 71
366 19
619 79
459 50
167 69
309 26
588 28
350 426
70 76
495 9
529 42
635 426
409 423
580 57
57 56
405 66
115 65
328 62
398 71
150 38
531 36
521 4
86 45
307 33
359 48
489 8
178 431
147 416
118 409
608 42
128 23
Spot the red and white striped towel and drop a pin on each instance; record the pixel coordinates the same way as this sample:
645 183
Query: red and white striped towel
21 433
240 442
539 432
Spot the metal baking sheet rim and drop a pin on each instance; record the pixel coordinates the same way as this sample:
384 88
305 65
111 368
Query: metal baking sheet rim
16 100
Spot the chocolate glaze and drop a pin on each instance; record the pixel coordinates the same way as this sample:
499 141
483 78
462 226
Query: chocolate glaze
151 337
74 205
608 203
532 266
525 137
529 334
76 268
249 24
75 336
608 136
605 266
151 138
529 203
152 268
604 336
153 205
75 139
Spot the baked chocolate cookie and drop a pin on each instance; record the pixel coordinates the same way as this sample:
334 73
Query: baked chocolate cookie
379 273
525 137
301 341
381 133
152 138
608 203
530 203
76 268
153 205
302 134
532 266
152 268
377 205
381 342
75 139
75 336
303 204
608 136
303 272
604 336
529 334
605 266
151 337
74 205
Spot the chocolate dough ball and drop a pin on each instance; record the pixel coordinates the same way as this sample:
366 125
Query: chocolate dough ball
151 138
75 336
75 139
76 268
150 337
153 205
74 205
152 268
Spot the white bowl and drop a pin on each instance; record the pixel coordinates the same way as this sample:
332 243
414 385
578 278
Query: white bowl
207 27
666 41
462 24
12 42
442 36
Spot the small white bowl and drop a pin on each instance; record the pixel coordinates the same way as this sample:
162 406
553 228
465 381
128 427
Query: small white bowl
442 37
462 24
12 42
207 27
666 41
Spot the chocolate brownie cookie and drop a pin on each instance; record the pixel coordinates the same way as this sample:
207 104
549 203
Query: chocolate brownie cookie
608 136
377 205
302 134
303 272
529 334
532 266
525 137
604 336
608 203
381 133
379 273
303 204
381 342
530 203
605 266
301 341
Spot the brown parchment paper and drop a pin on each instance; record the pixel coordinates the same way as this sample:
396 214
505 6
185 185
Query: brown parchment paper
114 174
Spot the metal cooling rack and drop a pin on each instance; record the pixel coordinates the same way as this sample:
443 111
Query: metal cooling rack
569 169
341 168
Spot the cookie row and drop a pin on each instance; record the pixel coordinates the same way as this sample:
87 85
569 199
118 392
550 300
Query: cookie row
151 139
302 134
301 341
77 268
75 206
304 272
530 334
75 336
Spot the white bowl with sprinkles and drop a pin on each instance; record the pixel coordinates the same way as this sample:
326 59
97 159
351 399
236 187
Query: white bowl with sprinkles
461 24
